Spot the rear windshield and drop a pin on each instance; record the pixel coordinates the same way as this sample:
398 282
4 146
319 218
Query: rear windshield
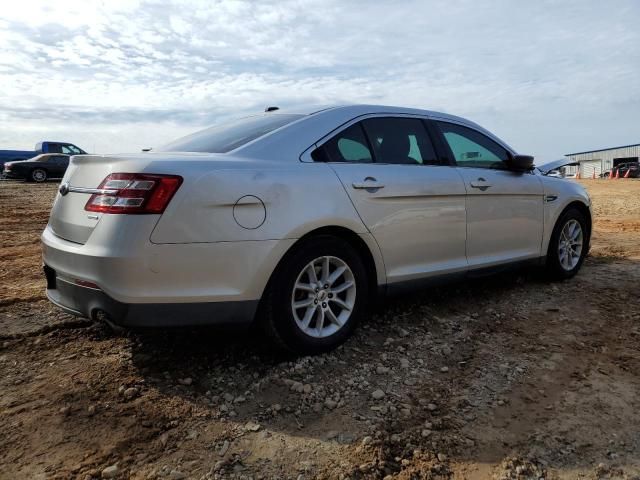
229 136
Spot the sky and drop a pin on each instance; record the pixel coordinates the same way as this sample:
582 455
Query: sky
548 77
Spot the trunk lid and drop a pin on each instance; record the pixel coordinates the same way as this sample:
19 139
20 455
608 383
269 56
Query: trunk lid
69 220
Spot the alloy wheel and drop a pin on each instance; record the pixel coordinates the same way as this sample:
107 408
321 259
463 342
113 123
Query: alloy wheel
323 296
570 245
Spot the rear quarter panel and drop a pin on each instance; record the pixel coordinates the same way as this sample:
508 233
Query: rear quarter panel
293 199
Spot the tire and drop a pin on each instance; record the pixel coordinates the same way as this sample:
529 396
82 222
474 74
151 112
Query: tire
38 175
329 324
561 266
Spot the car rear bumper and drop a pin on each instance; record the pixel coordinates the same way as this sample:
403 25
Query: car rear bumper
88 302
138 283
131 270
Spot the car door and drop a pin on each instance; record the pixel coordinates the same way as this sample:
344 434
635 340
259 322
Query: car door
63 163
412 202
504 207
56 166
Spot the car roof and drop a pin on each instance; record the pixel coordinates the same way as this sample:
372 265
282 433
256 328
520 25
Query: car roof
42 155
303 133
363 109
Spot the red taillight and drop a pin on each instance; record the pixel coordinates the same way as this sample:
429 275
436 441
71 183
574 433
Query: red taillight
134 193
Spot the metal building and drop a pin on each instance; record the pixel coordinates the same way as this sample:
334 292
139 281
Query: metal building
601 161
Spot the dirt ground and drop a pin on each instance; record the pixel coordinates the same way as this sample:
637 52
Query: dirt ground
509 377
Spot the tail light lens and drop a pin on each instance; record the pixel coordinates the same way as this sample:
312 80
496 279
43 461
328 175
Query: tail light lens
134 193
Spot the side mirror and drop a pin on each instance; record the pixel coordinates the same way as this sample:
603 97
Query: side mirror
521 163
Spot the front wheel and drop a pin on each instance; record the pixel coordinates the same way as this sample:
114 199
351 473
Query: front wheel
568 244
38 175
316 297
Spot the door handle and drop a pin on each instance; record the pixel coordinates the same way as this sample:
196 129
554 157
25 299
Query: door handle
369 183
481 184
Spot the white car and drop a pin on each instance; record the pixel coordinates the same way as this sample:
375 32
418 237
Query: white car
298 220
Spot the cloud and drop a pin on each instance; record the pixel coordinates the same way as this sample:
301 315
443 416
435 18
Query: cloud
543 75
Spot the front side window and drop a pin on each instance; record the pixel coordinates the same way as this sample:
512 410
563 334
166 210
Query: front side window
229 136
473 149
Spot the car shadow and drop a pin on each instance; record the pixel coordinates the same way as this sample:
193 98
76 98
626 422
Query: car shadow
178 349
204 364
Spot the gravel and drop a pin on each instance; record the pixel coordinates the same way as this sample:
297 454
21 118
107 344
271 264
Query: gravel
378 394
111 471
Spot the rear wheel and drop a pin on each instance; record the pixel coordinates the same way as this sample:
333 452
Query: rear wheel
316 297
568 244
38 175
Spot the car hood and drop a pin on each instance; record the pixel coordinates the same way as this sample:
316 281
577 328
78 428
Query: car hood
16 162
555 164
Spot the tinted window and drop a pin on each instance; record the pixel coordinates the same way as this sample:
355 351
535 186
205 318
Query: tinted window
227 137
71 149
473 149
54 148
400 141
350 145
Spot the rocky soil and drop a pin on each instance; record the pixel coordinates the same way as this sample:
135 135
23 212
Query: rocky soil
509 377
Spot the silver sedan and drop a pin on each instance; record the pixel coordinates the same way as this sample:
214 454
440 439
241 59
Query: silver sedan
298 220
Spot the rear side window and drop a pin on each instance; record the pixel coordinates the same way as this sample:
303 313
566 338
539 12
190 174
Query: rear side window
389 140
400 141
350 145
473 149
229 136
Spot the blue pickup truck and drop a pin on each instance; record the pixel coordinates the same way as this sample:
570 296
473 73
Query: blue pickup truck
41 147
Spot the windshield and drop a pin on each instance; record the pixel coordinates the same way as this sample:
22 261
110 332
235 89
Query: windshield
229 136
